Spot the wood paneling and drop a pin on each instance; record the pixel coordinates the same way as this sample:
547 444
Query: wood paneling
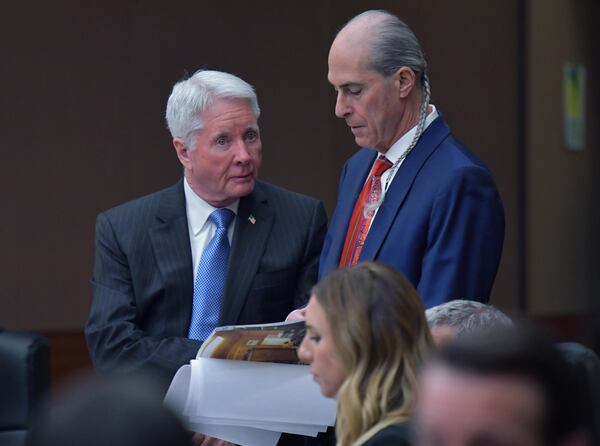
68 356
563 187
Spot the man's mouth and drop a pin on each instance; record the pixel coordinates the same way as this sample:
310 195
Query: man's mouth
244 177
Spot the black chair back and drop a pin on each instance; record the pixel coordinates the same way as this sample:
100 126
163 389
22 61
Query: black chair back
24 381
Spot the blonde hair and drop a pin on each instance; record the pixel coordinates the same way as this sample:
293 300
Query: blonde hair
381 333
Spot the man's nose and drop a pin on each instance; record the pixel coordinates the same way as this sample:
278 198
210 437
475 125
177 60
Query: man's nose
342 108
242 152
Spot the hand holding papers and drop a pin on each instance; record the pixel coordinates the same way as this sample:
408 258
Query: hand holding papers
247 386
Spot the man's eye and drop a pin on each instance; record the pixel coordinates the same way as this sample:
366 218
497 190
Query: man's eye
221 141
251 136
315 339
355 92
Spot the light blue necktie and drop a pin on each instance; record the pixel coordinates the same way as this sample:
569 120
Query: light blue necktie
209 287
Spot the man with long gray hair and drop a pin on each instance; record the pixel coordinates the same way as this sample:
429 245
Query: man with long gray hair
413 196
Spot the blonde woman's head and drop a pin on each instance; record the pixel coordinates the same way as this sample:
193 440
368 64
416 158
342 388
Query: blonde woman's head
366 339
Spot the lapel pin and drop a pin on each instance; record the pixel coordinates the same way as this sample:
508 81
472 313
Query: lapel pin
251 219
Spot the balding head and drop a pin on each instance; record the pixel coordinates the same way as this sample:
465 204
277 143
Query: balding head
388 41
357 34
378 70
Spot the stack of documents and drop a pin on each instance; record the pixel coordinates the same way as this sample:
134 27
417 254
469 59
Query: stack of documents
233 392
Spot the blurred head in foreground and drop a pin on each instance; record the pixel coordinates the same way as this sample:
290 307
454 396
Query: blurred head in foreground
501 387
103 411
459 317
365 342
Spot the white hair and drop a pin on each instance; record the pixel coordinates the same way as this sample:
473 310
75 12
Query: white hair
193 96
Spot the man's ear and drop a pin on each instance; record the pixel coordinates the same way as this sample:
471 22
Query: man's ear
405 81
183 153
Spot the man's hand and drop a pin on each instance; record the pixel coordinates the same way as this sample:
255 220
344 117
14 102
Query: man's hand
199 439
296 315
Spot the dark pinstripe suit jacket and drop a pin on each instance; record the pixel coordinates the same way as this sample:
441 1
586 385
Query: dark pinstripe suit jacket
142 280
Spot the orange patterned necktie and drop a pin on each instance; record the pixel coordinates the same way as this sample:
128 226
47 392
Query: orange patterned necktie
361 221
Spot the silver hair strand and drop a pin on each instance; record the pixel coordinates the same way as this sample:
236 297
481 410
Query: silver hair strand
394 45
371 206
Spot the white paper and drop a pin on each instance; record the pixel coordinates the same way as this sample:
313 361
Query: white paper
245 436
177 395
292 428
249 403
267 392
574 93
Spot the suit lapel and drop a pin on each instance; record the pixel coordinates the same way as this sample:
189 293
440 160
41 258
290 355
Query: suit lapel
401 184
252 228
171 243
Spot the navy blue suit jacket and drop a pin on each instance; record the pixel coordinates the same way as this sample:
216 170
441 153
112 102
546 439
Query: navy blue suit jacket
441 223
143 279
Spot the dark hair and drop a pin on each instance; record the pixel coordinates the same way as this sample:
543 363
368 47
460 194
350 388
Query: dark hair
113 411
525 352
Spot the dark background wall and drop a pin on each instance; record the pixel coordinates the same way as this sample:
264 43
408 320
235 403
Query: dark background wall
563 186
84 86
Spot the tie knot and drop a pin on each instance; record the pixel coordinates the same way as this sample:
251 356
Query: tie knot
381 165
222 217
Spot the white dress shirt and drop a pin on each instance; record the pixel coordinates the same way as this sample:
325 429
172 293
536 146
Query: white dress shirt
398 148
201 229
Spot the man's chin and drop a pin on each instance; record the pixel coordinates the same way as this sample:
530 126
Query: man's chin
361 141
241 188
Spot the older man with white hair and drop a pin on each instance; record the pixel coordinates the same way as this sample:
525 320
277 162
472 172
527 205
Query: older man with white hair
219 247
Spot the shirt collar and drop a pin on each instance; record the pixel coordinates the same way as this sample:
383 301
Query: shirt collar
198 210
402 144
